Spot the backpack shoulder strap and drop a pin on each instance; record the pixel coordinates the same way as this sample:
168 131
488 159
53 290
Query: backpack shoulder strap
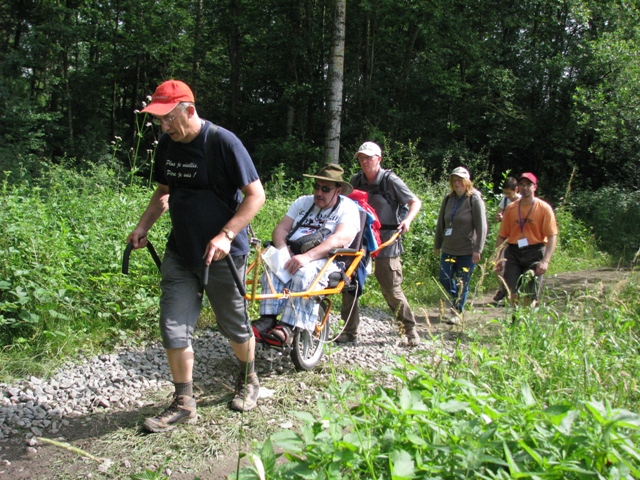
210 154
384 187
357 178
210 140
295 228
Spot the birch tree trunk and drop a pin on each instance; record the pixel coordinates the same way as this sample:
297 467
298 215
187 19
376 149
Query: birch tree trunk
336 77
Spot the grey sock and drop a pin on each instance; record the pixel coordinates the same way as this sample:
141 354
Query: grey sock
185 388
247 367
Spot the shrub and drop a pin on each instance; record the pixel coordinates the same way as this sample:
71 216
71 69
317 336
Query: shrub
612 213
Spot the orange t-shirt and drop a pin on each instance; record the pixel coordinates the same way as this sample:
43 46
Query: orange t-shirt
538 220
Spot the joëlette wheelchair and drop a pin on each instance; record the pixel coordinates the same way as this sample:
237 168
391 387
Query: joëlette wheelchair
307 348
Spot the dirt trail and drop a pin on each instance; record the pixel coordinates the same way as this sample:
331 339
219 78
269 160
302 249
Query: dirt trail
556 289
19 460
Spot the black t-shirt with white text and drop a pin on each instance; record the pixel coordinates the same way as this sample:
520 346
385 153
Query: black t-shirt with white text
202 202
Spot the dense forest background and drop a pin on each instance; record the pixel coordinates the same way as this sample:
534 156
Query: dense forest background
550 86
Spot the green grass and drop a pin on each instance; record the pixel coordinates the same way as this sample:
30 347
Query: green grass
555 395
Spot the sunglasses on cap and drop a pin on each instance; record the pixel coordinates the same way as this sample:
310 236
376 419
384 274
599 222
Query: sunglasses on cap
324 188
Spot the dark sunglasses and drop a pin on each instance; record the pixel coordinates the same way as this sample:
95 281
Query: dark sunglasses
324 188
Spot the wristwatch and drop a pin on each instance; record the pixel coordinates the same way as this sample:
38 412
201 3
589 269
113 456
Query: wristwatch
229 234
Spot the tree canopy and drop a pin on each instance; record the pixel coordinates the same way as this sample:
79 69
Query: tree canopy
550 86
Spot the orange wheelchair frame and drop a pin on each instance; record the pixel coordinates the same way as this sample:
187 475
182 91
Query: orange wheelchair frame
307 348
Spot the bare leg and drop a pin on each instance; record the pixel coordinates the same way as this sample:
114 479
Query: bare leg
181 364
244 351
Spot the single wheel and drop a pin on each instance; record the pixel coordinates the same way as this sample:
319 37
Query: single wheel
308 347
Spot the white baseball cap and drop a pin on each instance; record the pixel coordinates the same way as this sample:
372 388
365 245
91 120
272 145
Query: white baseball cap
370 149
461 172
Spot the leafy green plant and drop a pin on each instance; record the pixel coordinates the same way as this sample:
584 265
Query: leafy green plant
60 282
611 213
538 401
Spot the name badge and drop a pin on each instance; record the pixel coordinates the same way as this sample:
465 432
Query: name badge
523 242
447 232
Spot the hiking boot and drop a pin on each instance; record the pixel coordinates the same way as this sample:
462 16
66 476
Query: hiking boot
499 296
413 339
181 410
454 317
246 395
346 338
452 320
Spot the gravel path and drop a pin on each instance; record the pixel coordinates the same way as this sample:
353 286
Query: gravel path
122 380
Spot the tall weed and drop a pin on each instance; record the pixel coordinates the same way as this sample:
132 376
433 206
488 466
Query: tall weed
539 401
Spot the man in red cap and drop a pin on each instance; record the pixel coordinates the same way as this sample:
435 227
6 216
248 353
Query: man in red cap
530 233
207 177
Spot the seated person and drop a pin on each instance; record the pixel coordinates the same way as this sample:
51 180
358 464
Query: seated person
336 217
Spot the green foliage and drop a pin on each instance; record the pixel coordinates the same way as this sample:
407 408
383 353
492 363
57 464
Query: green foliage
605 105
577 245
62 239
538 401
539 85
23 128
612 214
60 283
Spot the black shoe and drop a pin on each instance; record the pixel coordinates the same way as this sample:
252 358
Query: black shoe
413 339
454 317
499 296
346 338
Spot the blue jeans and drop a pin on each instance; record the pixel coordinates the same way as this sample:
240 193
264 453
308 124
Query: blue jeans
455 269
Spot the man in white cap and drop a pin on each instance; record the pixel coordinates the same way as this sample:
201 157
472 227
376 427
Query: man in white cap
388 194
208 178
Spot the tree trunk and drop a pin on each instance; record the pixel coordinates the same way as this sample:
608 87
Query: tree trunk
197 48
336 79
234 59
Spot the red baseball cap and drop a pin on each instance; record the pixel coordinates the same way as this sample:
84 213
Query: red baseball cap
167 96
529 176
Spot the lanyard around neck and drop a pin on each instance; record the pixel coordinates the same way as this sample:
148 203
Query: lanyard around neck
456 205
520 220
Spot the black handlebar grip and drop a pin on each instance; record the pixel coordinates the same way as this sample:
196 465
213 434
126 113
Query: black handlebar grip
205 280
125 258
127 254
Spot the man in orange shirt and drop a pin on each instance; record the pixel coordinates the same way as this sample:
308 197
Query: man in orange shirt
530 231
